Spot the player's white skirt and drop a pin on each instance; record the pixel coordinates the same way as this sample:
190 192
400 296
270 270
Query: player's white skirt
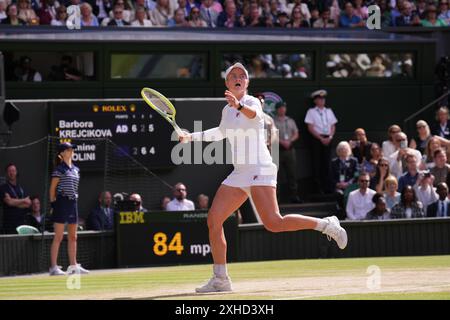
252 175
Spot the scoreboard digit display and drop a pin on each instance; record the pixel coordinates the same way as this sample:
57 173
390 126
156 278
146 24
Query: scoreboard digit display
135 128
164 238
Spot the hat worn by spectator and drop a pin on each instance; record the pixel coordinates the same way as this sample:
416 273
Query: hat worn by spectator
66 145
280 104
282 14
319 93
236 65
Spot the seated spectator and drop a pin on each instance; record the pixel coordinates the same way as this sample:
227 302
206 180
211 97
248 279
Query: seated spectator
420 141
421 7
408 207
380 211
359 201
360 9
87 18
441 207
255 19
298 20
391 194
202 202
441 167
139 203
409 178
14 199
314 16
434 143
442 126
397 159
272 12
444 11
180 203
178 19
61 17
183 5
118 20
12 18
102 9
208 13
47 12
34 218
348 19
190 4
425 192
406 16
360 146
431 19
382 171
164 201
26 13
229 17
283 20
389 146
141 18
24 72
344 170
325 20
102 217
195 20
3 6
370 165
303 8
127 13
65 71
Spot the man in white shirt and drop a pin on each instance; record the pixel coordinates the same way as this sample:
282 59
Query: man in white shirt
321 123
397 160
179 202
360 202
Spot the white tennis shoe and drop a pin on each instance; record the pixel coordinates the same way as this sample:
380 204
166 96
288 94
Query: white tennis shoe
76 269
216 284
336 232
56 271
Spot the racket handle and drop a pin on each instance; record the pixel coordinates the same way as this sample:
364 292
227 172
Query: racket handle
178 130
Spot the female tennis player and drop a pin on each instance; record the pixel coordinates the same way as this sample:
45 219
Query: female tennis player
242 119
64 198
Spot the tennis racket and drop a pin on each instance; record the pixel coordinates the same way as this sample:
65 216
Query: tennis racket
162 105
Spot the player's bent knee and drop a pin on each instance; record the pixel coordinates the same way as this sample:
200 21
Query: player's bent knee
72 237
274 225
213 222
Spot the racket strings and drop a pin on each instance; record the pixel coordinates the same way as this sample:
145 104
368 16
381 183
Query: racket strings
159 103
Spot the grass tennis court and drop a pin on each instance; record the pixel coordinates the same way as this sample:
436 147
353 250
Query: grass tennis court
400 278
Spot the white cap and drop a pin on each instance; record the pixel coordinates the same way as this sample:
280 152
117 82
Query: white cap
236 65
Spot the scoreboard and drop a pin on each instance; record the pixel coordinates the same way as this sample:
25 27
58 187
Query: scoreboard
135 129
166 238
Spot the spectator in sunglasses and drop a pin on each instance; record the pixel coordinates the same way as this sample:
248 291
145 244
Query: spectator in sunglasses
180 202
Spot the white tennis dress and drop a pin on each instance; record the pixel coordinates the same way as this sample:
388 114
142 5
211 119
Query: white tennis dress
251 159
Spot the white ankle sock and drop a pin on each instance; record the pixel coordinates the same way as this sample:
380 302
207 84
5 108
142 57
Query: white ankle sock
321 225
220 270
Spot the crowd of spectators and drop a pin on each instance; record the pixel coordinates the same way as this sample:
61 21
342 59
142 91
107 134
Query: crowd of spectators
19 208
406 178
227 13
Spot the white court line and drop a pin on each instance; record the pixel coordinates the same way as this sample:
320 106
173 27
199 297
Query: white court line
420 289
